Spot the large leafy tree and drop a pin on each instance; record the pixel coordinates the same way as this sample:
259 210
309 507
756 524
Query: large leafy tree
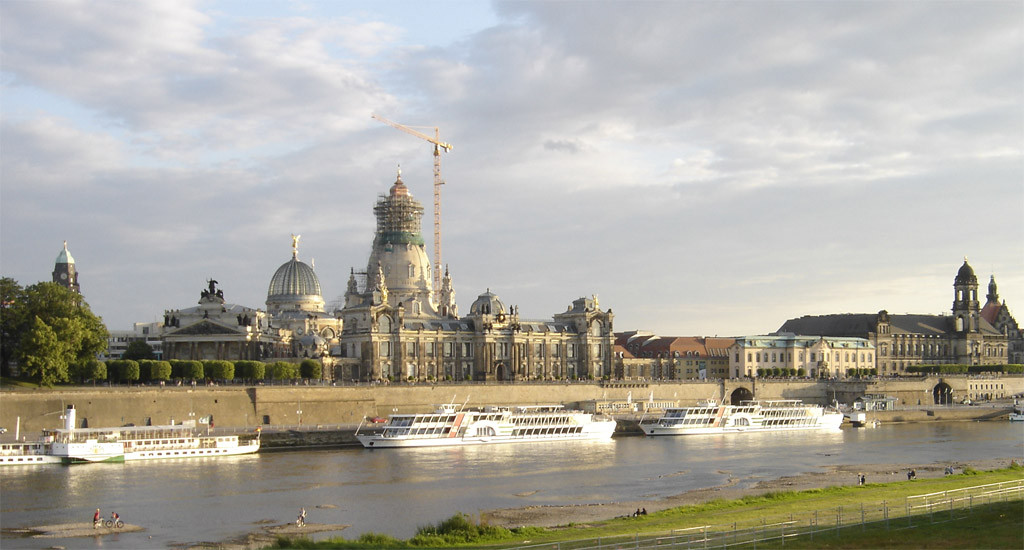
49 330
12 320
138 351
42 356
310 368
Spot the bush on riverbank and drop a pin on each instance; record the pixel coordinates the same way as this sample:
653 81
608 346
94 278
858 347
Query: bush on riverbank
457 530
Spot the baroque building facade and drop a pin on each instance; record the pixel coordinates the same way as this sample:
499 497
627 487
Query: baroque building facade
216 329
965 337
394 328
815 356
294 326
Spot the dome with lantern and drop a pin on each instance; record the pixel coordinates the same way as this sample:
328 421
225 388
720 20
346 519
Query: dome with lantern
294 286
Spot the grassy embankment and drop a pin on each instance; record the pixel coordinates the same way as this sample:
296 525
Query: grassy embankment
14 383
998 525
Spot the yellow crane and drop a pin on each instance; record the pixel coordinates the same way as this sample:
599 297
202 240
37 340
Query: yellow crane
438 182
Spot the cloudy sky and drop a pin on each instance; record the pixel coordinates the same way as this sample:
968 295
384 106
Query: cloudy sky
705 168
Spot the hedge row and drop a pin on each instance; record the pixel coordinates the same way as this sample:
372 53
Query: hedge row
127 370
966 369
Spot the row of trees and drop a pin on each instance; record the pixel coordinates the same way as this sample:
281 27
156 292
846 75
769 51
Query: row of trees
149 370
49 332
777 371
965 369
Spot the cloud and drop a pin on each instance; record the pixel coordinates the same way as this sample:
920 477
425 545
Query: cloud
704 167
163 73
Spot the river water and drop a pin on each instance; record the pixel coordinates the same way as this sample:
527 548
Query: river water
394 491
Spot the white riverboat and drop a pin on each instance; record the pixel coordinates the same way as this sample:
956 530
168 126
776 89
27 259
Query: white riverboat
711 417
26 454
70 445
451 425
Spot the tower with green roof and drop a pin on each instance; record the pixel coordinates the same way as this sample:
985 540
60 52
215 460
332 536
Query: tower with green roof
64 272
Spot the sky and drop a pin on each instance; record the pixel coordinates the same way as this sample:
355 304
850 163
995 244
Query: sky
704 168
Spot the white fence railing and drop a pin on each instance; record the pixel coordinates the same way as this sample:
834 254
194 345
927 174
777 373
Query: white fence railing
917 509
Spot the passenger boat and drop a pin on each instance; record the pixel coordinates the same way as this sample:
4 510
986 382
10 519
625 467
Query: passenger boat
451 425
70 445
710 417
26 453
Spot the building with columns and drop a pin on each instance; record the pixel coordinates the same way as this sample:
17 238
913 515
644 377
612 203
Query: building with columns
393 327
215 329
294 326
814 356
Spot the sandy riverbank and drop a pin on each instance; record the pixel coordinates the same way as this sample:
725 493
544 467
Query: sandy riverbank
554 516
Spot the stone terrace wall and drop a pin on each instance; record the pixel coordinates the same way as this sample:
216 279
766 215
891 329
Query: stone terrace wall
238 406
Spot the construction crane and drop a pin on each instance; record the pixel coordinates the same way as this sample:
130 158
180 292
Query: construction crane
438 182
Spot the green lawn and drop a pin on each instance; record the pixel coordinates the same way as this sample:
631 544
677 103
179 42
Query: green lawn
997 525
985 525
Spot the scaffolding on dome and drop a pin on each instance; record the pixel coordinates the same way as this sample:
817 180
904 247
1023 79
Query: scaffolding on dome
398 220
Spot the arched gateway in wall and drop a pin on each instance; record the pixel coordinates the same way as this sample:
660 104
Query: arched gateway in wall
739 395
943 394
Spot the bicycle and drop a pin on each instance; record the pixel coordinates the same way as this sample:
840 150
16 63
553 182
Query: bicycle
113 524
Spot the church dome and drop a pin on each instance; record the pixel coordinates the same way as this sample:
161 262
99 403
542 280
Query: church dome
966 275
294 286
293 279
487 303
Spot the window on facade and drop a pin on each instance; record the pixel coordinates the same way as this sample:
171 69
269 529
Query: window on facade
467 349
385 349
750 357
449 349
570 350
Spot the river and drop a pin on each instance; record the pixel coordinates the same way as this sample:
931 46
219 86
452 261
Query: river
394 491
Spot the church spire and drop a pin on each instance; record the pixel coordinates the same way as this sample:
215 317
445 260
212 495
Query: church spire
993 295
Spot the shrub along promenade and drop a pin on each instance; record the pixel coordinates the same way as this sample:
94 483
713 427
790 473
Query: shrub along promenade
966 510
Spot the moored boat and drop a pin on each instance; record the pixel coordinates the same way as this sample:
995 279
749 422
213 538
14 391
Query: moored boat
70 445
26 453
451 425
1017 414
711 417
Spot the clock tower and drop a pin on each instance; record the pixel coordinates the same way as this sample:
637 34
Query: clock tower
64 272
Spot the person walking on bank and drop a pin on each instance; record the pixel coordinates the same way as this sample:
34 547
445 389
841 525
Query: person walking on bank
96 519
